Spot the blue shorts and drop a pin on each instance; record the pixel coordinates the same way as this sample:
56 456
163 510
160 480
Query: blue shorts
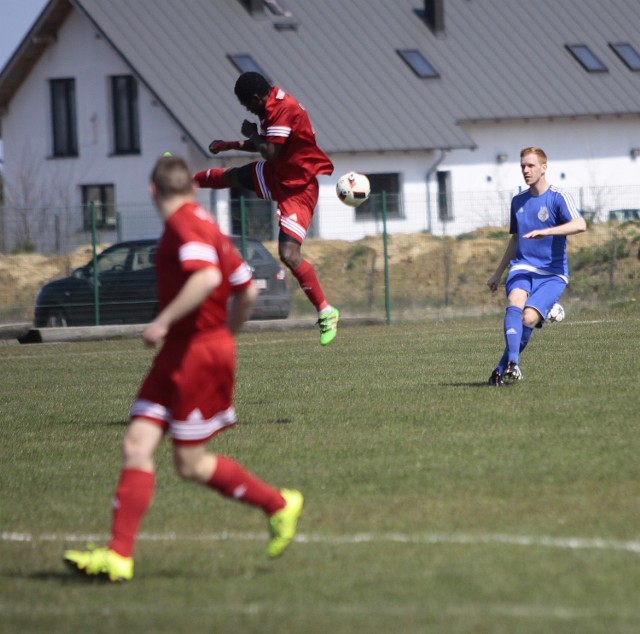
543 290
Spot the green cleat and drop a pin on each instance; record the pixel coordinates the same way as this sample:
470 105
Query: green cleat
100 562
283 523
329 326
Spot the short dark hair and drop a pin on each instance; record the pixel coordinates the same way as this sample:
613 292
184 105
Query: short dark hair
171 177
251 83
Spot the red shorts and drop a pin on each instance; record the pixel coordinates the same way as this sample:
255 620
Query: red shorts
189 388
295 206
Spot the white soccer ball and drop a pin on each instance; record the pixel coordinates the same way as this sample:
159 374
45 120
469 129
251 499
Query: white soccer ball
353 189
556 313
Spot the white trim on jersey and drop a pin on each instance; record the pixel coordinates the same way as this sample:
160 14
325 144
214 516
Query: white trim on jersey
292 226
196 428
149 409
198 251
262 184
568 199
532 269
241 275
279 130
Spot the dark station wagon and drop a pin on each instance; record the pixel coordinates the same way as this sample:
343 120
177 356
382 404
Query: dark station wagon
127 287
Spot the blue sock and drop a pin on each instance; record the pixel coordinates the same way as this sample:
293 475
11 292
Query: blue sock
513 331
526 335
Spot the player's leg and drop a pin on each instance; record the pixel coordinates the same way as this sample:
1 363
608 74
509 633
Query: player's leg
203 408
132 498
295 213
225 178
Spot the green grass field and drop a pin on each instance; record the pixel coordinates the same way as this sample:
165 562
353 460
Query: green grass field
434 503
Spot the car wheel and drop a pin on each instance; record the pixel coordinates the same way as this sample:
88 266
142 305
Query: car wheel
56 318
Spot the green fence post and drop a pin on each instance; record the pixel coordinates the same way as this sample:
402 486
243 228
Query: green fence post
387 303
96 289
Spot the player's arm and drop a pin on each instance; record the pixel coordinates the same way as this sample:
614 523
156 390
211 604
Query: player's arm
197 288
509 254
257 143
240 306
575 225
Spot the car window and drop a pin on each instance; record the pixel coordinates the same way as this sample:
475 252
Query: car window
113 260
144 257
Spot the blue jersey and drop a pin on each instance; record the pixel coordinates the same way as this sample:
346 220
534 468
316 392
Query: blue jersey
548 255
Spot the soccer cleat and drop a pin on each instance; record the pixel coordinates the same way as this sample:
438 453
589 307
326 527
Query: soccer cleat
283 523
328 326
512 373
496 378
100 562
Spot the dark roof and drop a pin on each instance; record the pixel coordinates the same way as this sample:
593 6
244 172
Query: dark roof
496 60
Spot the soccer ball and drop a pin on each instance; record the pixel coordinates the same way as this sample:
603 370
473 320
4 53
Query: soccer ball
556 313
353 189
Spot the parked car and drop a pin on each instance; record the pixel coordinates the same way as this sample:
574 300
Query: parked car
126 287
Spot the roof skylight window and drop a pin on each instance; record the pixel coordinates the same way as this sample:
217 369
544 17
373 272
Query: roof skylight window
587 58
627 54
246 64
418 63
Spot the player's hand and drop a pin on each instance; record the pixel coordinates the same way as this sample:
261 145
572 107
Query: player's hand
537 233
249 129
493 282
154 333
223 146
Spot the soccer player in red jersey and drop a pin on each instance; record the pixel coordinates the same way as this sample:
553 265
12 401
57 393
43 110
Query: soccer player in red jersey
292 161
188 390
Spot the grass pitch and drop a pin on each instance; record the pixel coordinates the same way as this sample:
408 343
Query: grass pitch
434 503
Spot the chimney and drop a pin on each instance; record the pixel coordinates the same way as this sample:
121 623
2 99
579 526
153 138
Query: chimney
434 15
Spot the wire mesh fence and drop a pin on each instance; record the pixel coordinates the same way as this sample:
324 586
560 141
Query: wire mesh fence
383 264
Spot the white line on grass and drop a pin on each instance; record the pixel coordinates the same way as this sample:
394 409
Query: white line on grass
567 543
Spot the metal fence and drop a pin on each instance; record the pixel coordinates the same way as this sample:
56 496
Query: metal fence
389 274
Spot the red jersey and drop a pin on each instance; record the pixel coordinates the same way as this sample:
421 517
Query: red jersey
287 123
191 241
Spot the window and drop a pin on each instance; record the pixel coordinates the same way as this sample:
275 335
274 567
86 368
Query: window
587 58
628 55
258 214
445 207
102 198
63 117
372 209
126 126
245 64
418 63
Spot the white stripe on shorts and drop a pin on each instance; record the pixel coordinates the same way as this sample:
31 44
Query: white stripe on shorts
196 428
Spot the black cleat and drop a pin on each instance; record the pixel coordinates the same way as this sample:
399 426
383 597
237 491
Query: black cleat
496 379
513 373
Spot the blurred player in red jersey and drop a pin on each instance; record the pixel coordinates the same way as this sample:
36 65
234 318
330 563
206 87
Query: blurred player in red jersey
292 160
188 390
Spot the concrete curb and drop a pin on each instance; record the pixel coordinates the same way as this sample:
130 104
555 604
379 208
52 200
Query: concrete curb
24 333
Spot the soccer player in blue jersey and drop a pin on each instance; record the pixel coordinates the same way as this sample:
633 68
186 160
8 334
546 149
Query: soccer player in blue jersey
541 219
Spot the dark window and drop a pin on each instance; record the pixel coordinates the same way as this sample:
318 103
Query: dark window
258 214
63 117
445 208
418 63
587 58
126 126
246 63
390 185
628 55
102 199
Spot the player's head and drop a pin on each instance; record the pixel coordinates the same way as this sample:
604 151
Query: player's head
252 90
170 177
533 164
539 152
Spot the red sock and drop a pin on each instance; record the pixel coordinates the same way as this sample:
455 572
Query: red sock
131 500
212 178
309 283
233 480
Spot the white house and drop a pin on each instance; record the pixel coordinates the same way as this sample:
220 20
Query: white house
433 99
